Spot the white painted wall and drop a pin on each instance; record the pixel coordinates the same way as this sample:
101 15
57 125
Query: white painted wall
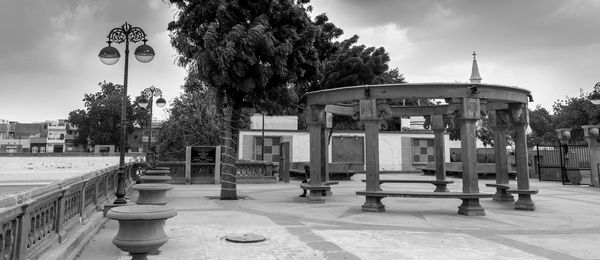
390 152
300 143
274 122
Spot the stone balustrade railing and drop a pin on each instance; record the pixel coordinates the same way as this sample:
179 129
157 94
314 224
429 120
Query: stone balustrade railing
53 221
254 172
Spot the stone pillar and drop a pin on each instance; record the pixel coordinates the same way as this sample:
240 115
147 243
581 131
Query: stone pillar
499 124
591 133
439 128
369 115
316 126
519 119
469 114
328 128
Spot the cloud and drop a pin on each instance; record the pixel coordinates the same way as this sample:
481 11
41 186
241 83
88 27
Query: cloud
548 46
50 54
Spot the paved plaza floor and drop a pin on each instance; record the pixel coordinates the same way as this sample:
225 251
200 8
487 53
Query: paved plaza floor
565 225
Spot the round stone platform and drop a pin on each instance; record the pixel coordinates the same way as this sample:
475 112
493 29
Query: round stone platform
152 193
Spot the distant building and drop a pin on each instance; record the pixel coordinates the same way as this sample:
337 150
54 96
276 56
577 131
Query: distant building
16 137
137 141
51 136
55 141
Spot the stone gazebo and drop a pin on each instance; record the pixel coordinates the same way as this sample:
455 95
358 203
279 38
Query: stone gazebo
465 103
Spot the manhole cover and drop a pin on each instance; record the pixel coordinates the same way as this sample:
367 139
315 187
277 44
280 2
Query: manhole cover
245 238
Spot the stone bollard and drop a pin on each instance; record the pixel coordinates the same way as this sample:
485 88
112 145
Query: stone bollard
140 228
152 193
155 179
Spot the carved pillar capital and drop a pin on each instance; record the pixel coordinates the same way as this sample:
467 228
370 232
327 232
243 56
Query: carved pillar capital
499 120
519 115
316 115
438 123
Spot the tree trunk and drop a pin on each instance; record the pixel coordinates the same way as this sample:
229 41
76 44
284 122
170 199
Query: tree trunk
228 151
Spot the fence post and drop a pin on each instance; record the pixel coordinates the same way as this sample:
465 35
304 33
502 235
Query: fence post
25 225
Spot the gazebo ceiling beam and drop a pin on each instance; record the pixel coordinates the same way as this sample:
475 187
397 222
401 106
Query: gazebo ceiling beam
493 93
419 110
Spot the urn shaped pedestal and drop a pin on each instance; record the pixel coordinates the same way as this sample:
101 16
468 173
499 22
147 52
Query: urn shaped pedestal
152 193
141 228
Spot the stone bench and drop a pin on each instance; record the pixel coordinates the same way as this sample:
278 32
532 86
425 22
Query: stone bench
152 193
422 194
504 191
326 190
512 188
470 205
455 169
440 185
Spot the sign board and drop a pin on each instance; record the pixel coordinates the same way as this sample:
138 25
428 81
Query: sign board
202 154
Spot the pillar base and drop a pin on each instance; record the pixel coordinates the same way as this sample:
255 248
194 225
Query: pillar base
315 196
373 204
471 207
524 202
501 195
139 256
441 188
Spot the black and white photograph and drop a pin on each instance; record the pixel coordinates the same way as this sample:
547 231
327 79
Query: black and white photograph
299 129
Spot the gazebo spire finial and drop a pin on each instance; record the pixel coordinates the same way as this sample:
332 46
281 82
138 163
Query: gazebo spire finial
475 77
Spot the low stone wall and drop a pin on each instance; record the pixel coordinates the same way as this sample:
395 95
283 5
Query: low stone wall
57 220
203 173
255 172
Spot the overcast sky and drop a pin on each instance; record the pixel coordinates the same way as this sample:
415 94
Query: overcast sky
49 48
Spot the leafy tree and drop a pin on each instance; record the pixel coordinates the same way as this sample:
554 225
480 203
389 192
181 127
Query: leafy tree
250 52
347 64
192 121
100 121
354 65
542 126
573 112
485 134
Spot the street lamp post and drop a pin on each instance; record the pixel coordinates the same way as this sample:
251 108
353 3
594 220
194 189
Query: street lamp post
592 134
145 101
110 55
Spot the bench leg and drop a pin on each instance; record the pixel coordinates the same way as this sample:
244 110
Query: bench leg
373 204
471 207
524 202
441 188
315 196
502 195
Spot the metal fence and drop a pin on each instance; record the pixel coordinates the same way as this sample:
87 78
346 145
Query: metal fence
567 163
